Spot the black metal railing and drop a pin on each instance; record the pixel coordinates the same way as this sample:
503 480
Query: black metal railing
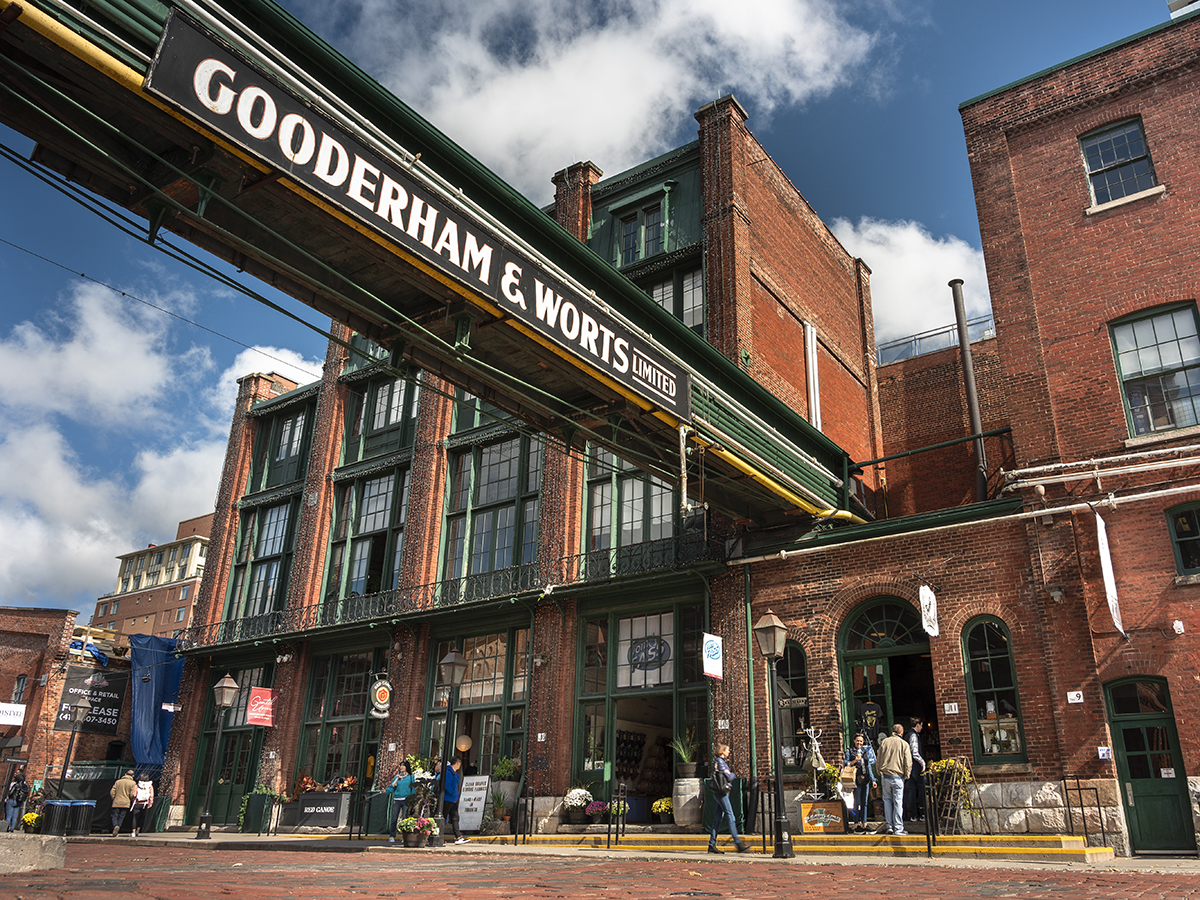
594 567
616 820
1080 790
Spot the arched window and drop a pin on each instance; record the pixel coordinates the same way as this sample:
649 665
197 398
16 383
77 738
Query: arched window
792 695
992 691
884 626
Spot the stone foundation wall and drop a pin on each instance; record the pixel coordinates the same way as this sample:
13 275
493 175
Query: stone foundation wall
1039 807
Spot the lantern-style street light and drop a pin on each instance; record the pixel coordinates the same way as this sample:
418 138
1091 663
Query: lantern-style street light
771 634
79 711
224 691
454 668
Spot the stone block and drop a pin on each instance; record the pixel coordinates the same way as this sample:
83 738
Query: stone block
1017 795
1047 820
20 852
1013 821
1046 794
991 796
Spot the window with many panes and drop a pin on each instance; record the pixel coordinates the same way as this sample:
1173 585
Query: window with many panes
18 692
264 549
682 294
382 416
279 449
640 234
791 693
340 738
992 698
1158 361
1117 161
626 507
367 547
492 507
1184 522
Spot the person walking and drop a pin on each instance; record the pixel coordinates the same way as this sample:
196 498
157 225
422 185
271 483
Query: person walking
451 784
141 802
862 757
914 786
722 785
895 763
123 793
399 789
15 796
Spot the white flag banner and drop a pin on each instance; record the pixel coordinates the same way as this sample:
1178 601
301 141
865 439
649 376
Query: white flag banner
714 657
929 610
1110 580
12 713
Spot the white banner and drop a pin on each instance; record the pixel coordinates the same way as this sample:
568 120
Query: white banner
12 713
1110 580
714 657
929 610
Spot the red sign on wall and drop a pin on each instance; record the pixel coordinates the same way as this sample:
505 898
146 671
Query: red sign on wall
261 710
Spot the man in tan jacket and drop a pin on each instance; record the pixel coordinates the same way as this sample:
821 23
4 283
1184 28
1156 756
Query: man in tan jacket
123 793
895 763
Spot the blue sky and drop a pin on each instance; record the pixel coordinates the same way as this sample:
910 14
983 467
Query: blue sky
116 414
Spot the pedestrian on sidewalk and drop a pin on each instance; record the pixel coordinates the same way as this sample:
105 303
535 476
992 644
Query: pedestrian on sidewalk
895 764
400 789
862 757
914 785
722 784
451 785
141 802
123 793
15 796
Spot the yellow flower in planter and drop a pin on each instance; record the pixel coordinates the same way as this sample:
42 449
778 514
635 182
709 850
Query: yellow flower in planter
663 806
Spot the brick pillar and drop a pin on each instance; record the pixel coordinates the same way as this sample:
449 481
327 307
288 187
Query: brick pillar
573 197
723 141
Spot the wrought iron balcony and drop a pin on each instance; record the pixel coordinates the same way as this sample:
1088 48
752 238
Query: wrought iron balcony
593 568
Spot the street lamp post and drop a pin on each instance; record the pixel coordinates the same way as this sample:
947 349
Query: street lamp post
79 711
454 667
771 634
223 693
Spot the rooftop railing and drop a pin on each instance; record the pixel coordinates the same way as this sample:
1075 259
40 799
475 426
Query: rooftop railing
978 329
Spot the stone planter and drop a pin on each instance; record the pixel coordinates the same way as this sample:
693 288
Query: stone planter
687 798
414 839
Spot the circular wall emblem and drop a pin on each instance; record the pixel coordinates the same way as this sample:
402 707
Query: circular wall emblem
381 694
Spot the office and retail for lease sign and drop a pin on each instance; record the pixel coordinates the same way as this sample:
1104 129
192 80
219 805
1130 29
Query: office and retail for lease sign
104 689
214 85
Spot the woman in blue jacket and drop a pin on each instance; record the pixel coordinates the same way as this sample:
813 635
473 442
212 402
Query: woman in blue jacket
400 790
862 757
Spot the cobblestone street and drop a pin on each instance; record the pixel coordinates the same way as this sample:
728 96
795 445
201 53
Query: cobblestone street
102 871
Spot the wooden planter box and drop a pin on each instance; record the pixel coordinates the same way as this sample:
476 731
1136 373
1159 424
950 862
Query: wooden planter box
318 809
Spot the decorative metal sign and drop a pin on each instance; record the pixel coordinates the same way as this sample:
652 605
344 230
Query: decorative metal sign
218 87
381 698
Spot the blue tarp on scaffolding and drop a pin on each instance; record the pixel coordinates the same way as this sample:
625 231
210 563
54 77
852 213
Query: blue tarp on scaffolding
150 728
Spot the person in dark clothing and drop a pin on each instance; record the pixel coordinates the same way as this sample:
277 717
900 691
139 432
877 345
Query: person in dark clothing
914 785
451 787
722 783
15 796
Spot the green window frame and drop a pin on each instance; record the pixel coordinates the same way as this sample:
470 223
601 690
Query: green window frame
1117 161
1158 362
266 538
1184 524
366 541
625 506
281 449
681 293
641 234
339 736
792 696
381 418
993 700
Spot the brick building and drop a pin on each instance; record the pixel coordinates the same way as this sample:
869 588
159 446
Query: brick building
156 587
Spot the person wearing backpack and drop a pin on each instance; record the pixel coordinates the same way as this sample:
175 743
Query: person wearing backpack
14 800
141 801
123 793
722 784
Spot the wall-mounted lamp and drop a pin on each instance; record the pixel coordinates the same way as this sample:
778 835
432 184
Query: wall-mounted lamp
541 658
1177 626
1057 592
284 657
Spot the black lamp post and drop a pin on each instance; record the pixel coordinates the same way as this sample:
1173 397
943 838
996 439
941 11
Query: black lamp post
454 667
79 711
223 693
771 634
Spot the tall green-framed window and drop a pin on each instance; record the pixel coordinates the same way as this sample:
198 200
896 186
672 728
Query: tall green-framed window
641 234
490 712
367 539
381 416
627 510
280 448
681 293
992 696
1184 523
266 536
1158 361
339 738
792 696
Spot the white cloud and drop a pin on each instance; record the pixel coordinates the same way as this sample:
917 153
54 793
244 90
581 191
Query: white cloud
910 273
530 86
100 371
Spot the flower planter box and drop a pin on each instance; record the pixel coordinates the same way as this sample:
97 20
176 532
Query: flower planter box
577 817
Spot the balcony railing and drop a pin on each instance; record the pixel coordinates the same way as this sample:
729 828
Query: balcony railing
592 568
938 339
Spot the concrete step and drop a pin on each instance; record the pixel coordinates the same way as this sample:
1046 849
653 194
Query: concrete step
1056 848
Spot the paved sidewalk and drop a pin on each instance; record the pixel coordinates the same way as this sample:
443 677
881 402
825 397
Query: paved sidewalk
376 845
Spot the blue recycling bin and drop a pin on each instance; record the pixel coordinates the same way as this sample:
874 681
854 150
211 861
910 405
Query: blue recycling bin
55 815
79 821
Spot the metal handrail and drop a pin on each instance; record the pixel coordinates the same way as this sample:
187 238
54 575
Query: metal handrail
616 824
1079 789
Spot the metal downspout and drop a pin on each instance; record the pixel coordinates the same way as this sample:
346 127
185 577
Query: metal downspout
964 346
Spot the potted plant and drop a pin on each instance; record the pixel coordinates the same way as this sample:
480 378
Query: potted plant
575 802
504 769
500 805
596 810
254 814
685 748
416 830
32 822
663 807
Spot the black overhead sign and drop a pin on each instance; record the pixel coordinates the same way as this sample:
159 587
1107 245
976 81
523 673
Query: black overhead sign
214 85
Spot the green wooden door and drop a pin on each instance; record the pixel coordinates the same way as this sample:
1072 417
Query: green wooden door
1150 768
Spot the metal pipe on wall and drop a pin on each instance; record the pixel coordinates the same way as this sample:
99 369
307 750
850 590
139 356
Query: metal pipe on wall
964 345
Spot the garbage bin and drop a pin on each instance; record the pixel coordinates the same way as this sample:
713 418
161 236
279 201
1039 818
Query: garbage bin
79 823
55 815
